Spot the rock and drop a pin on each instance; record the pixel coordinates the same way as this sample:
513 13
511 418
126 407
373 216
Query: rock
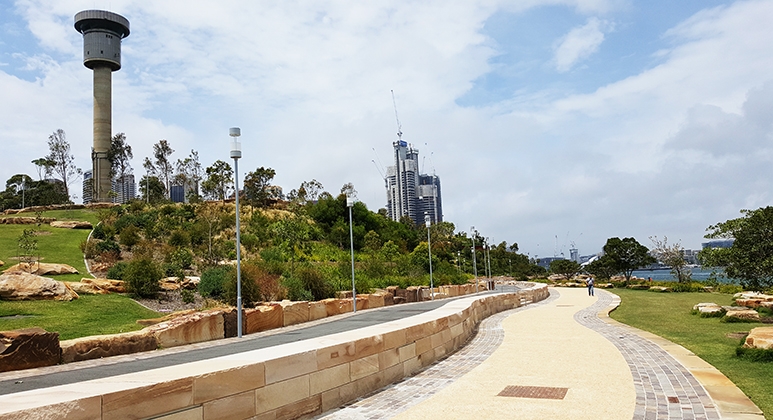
376 300
2 263
660 289
398 300
264 317
638 287
165 318
25 220
71 224
389 299
42 269
362 301
605 285
112 286
708 309
767 305
760 337
231 322
28 348
187 329
412 294
744 315
170 284
25 286
97 346
294 312
317 310
85 288
337 306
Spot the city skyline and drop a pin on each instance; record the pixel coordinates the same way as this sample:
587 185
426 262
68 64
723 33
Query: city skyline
550 122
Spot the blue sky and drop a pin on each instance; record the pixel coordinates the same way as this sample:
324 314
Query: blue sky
548 121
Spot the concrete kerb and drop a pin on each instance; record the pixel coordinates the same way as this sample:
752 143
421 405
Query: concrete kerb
345 366
729 400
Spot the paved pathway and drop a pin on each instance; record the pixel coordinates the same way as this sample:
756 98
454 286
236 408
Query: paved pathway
607 371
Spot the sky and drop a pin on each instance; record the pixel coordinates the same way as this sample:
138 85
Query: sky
549 122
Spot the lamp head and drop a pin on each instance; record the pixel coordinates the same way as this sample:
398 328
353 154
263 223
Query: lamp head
236 145
349 201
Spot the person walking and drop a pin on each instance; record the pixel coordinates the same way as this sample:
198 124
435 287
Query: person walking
590 286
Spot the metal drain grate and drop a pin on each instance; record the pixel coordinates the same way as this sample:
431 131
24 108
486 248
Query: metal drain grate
534 392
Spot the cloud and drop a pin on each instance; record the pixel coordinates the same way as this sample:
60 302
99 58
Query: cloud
579 44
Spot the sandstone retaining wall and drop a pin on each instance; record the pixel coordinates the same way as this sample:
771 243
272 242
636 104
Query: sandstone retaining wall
287 381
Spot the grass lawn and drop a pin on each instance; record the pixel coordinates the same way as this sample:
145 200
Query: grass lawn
88 315
81 214
55 245
668 315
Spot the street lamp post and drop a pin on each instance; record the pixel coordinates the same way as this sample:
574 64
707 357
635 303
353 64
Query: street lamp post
488 254
429 249
350 204
236 153
474 263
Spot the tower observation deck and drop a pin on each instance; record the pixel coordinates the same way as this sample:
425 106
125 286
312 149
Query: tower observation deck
102 34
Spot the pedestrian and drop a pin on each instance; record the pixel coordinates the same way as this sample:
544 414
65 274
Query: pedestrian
590 286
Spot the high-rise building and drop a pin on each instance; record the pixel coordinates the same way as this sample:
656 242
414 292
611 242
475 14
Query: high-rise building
125 189
88 186
410 193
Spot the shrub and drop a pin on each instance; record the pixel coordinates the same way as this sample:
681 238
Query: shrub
188 296
129 236
88 249
754 354
116 272
250 291
295 289
142 276
179 238
107 250
213 281
99 232
182 258
313 281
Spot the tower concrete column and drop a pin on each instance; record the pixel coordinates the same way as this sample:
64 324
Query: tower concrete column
102 132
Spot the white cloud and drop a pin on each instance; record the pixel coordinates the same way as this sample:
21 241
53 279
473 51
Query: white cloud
579 44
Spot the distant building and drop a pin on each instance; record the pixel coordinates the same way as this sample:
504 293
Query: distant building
88 187
125 189
545 261
410 193
180 193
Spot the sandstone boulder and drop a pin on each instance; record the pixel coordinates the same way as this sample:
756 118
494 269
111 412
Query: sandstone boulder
749 303
175 283
638 287
187 329
26 286
344 294
112 286
317 310
708 309
25 220
760 337
85 288
660 289
398 300
97 346
294 312
376 300
42 269
264 317
389 299
71 224
744 315
165 318
28 348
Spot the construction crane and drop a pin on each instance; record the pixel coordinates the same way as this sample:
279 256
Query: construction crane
399 126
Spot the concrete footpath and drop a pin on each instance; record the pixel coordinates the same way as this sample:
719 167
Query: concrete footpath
562 358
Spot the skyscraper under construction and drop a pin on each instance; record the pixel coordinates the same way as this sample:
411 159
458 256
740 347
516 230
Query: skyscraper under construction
410 193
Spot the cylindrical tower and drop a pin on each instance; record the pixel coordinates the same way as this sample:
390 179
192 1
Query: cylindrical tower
102 33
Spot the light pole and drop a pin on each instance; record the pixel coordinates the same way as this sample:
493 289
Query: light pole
474 263
236 153
459 261
429 249
350 204
488 254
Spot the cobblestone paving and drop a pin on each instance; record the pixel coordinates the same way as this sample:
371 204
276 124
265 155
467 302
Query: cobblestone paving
664 388
400 396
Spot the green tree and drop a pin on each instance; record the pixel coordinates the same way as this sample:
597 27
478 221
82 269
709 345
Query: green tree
161 153
152 189
566 268
189 174
63 160
219 181
627 255
602 268
750 258
257 187
672 256
44 166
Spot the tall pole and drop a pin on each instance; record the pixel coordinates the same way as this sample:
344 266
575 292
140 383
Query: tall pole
488 254
236 153
429 249
474 263
350 203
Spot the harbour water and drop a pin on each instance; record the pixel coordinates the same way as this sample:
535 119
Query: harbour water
698 274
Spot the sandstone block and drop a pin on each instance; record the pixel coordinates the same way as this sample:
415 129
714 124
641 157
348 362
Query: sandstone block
389 299
97 346
294 312
746 315
264 317
71 224
411 294
85 288
187 329
760 337
398 300
317 310
376 300
393 290
362 301
749 303
113 286
344 294
42 269
337 306
26 286
165 318
28 348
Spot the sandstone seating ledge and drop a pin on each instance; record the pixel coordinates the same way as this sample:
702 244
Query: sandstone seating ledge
292 380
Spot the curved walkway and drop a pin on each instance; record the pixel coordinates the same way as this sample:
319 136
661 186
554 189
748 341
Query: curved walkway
606 369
